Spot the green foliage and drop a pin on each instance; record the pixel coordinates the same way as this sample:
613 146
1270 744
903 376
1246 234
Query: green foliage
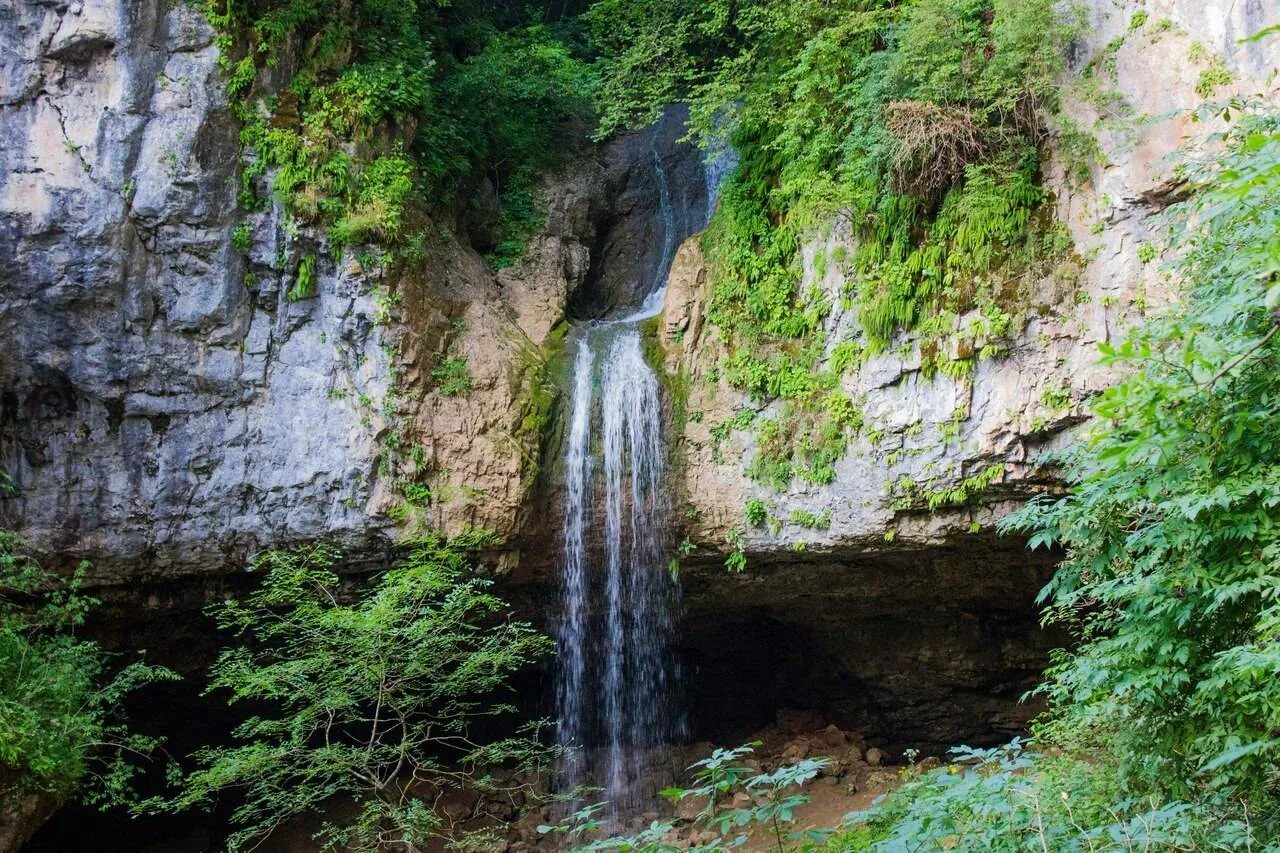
924 120
1172 576
375 700
521 215
766 803
756 512
542 371
304 284
805 518
395 106
1056 397
242 237
1009 799
910 495
60 719
1211 78
737 559
451 375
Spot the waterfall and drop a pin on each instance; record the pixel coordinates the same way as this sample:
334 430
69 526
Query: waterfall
615 679
618 601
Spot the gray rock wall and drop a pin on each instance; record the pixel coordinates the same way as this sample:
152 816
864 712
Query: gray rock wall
166 410
163 407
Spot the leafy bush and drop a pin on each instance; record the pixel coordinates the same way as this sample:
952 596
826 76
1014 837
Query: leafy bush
375 700
60 719
1172 576
1010 799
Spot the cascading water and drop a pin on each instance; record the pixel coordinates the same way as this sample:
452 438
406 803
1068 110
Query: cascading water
615 676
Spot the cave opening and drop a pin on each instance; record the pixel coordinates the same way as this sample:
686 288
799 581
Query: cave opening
923 648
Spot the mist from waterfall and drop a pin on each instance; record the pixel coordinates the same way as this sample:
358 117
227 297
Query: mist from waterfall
617 684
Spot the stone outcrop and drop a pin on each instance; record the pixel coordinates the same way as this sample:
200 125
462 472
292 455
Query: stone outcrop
164 407
917 624
931 430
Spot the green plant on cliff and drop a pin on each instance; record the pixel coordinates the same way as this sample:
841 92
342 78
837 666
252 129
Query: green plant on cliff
374 697
1163 729
61 727
1173 568
451 375
395 106
924 121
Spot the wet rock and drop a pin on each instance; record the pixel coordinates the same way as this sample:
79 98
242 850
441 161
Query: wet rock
833 737
874 757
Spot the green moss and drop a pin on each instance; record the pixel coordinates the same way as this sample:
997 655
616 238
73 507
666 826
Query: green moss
540 378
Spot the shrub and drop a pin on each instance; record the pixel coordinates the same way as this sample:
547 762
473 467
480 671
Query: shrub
1173 554
375 700
61 726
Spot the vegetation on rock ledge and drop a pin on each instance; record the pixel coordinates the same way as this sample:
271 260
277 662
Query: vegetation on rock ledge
394 107
921 122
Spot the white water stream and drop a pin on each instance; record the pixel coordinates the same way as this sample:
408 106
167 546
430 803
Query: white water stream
615 675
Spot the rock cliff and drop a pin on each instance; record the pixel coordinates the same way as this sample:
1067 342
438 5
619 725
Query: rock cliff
167 410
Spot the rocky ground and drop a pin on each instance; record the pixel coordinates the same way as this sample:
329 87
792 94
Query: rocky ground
854 776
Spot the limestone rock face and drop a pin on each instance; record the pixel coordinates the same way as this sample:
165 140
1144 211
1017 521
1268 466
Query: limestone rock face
935 431
165 408
161 410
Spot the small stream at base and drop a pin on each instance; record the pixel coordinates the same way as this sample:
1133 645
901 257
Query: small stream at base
617 684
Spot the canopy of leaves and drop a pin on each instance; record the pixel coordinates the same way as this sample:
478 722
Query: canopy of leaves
372 700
